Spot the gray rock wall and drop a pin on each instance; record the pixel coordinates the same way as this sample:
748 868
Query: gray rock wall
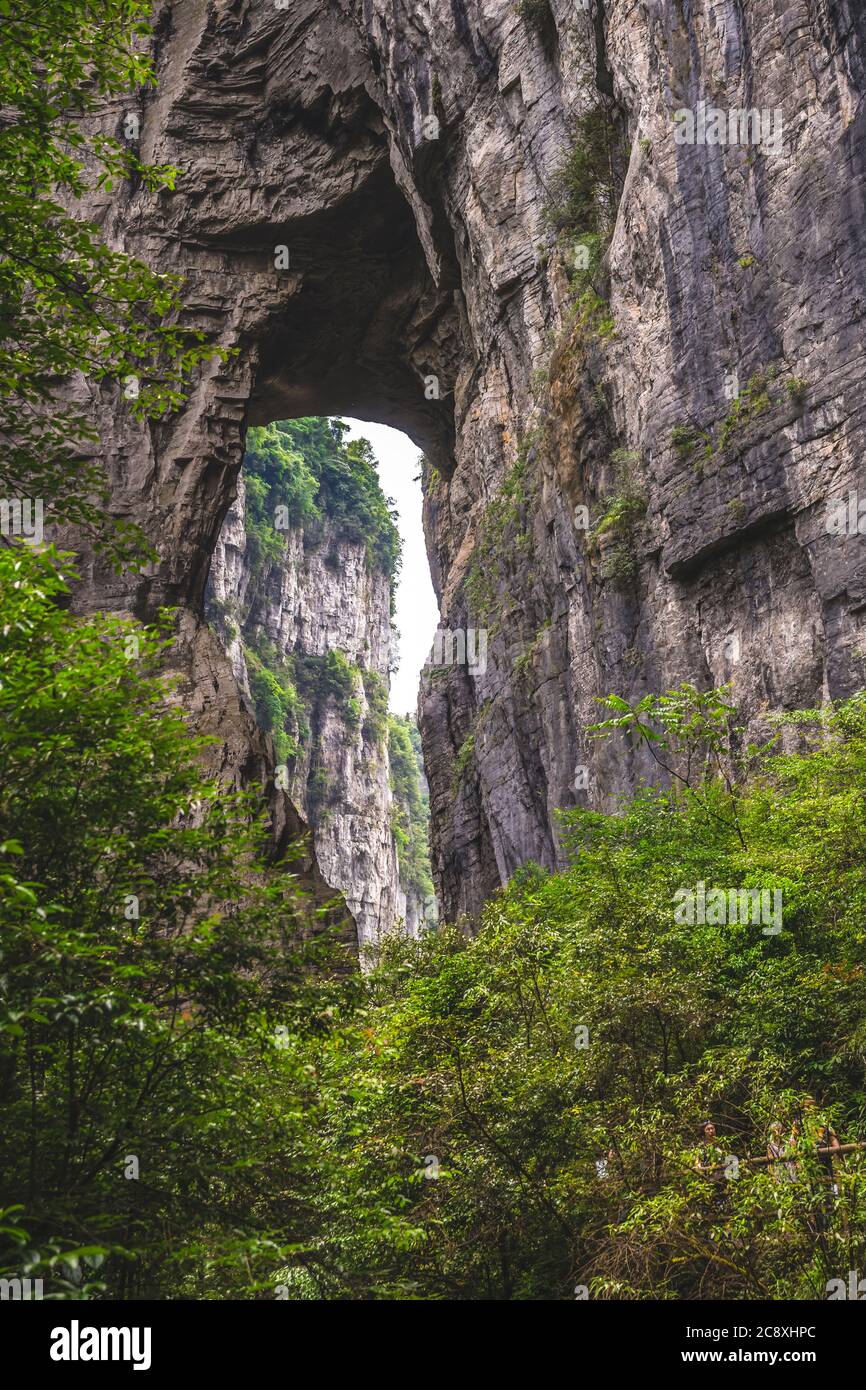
322 596
418 252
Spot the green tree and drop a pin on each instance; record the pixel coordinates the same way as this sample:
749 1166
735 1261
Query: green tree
68 303
556 1062
153 965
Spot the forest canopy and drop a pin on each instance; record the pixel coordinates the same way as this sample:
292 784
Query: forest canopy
507 1111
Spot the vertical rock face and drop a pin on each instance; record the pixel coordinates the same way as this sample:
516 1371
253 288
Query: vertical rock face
320 602
404 154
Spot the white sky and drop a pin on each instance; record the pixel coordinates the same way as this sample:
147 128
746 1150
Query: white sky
417 616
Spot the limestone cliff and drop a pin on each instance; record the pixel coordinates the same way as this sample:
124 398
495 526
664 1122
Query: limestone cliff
631 447
305 618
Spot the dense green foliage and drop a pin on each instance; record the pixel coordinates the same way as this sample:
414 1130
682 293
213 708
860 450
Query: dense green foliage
150 958
191 1107
468 1058
67 302
197 1099
280 708
309 469
411 819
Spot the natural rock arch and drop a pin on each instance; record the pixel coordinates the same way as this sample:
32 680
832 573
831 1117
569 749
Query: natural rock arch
309 127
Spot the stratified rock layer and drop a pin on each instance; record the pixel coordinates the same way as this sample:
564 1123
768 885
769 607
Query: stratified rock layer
424 290
320 596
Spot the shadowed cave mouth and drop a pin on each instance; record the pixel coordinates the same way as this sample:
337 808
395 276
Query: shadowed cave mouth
319 558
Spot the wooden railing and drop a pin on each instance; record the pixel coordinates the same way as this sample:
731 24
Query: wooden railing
785 1158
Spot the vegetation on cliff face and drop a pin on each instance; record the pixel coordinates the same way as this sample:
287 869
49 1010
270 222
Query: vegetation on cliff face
307 468
280 707
501 530
411 819
585 189
623 510
288 691
299 475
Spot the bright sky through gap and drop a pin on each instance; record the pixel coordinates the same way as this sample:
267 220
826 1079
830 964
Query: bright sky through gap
417 616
